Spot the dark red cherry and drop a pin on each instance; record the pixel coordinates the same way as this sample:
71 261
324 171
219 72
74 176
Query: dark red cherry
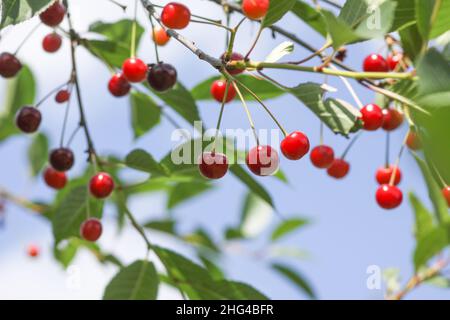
54 15
295 146
52 42
9 65
384 175
55 179
218 89
339 169
372 117
392 119
175 15
62 96
162 76
234 57
91 229
213 165
446 194
134 70
389 197
413 141
393 60
263 160
101 185
322 157
33 251
28 119
375 63
118 85
62 159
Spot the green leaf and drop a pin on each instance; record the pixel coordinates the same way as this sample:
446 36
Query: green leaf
197 282
256 215
338 115
184 191
296 278
214 270
263 89
113 54
440 23
38 153
167 226
201 238
141 160
16 11
277 9
72 210
145 113
280 51
434 74
251 183
431 244
432 17
423 218
138 281
405 14
288 226
119 32
412 41
310 16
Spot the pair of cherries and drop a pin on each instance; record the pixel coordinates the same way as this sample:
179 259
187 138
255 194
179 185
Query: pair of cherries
374 118
376 62
52 17
323 157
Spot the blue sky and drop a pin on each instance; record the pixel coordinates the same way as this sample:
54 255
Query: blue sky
348 231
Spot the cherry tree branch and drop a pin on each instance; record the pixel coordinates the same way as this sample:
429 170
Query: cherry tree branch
21 202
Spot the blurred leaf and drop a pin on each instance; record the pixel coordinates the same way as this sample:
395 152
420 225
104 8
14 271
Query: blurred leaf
411 40
310 16
141 160
277 9
119 32
138 281
431 244
405 14
391 277
296 278
113 54
256 216
338 115
280 51
423 218
38 153
439 281
214 270
201 238
167 226
145 113
432 17
288 226
16 11
264 89
184 191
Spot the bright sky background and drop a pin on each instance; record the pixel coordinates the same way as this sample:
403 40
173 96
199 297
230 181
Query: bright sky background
349 231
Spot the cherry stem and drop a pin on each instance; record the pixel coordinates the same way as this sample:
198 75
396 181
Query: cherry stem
255 96
438 174
154 39
397 162
48 95
133 31
123 7
222 108
388 148
73 135
261 28
350 89
249 116
351 144
314 54
212 24
66 117
28 36
321 133
262 74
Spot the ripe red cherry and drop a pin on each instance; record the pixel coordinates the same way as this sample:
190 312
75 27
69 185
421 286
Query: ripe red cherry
9 65
54 15
28 119
52 42
372 117
118 85
91 229
162 76
446 194
375 63
33 251
413 141
213 165
101 185
392 119
322 156
255 9
62 96
55 179
339 169
134 70
62 159
218 89
393 60
160 36
234 57
295 146
263 160
384 175
175 15
389 197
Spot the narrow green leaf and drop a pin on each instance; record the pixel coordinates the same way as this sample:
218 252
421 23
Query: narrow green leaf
256 215
167 226
38 153
277 9
296 278
288 226
184 191
423 218
138 281
141 160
